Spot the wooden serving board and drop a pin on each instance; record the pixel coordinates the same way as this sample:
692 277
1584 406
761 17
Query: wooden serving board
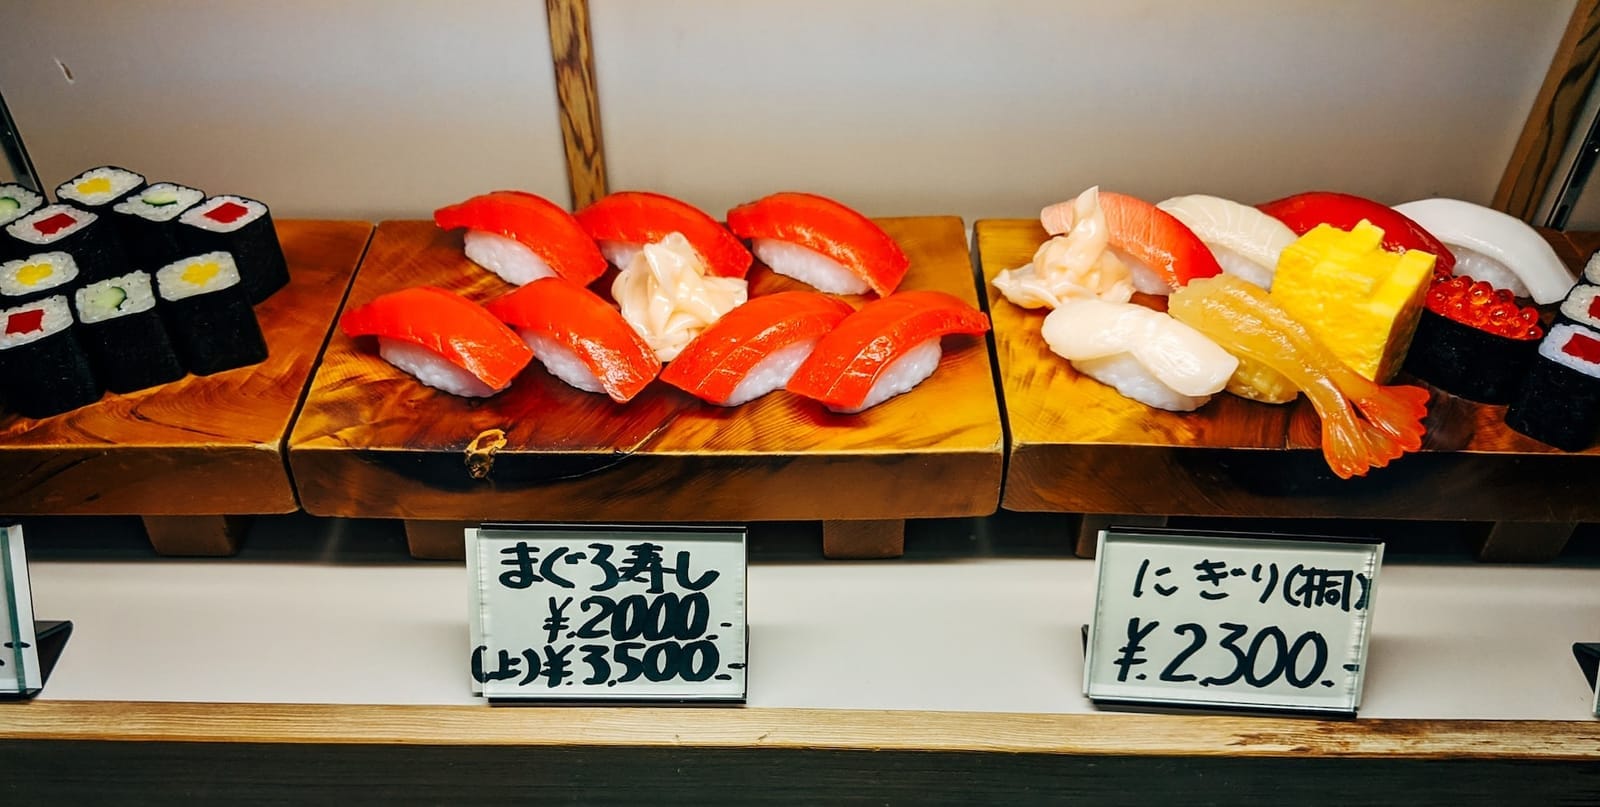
1078 446
199 446
373 442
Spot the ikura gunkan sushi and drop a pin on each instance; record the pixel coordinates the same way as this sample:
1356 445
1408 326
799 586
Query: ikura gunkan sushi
243 228
820 242
147 222
579 337
623 222
35 277
16 202
443 339
1559 403
123 334
100 187
887 347
755 348
208 315
522 237
1473 340
87 237
43 369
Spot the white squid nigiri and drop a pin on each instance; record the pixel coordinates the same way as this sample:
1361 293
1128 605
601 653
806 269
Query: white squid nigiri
1491 246
1144 354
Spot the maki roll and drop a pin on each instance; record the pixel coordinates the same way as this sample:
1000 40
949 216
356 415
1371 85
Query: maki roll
1473 340
244 228
147 222
86 236
16 202
1559 403
123 335
35 277
1582 306
208 314
1591 270
43 369
100 188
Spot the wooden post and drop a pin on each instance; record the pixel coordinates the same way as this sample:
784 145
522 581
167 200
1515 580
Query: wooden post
209 536
572 53
862 540
437 540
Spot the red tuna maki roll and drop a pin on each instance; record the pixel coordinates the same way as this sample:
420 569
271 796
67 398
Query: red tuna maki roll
1559 403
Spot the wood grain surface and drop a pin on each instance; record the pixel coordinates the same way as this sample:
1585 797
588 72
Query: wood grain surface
1078 446
572 56
373 442
208 445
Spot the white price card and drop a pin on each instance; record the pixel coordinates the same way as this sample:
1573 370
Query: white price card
1232 622
19 655
586 613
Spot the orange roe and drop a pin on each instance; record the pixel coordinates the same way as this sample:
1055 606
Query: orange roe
1477 304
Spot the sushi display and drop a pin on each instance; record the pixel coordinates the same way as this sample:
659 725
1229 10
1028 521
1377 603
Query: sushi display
442 339
579 338
123 334
522 237
820 242
622 223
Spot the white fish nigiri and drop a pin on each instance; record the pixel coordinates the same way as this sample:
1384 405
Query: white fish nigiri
1245 241
1491 246
1075 263
1145 354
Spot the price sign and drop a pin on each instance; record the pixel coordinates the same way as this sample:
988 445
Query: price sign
607 613
19 656
1230 621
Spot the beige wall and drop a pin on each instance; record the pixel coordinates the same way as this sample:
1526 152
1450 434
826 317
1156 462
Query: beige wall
388 107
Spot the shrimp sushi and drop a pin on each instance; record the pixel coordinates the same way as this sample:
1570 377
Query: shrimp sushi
886 348
1245 241
820 242
1162 252
579 337
623 222
1144 354
1494 247
443 339
522 237
755 348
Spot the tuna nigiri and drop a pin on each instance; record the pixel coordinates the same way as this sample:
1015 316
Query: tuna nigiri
886 348
623 222
755 348
1142 353
1494 247
1302 212
820 242
522 237
442 338
1386 421
1245 241
1161 251
579 337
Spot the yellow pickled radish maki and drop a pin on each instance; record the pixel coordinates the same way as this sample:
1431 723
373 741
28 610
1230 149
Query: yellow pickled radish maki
1358 299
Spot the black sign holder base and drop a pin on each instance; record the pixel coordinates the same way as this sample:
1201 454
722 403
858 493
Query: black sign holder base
1588 656
50 637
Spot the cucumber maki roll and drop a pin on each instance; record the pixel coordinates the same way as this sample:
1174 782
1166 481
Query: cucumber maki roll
36 277
86 236
147 222
208 314
43 369
244 228
99 188
123 334
16 202
1473 340
1559 403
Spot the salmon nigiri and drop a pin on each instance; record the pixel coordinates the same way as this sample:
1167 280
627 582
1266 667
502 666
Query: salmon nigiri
1162 252
821 242
442 338
1386 421
623 222
522 237
755 348
579 337
887 347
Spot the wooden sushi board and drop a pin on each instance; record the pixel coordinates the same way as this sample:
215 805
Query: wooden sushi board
372 442
191 454
1078 446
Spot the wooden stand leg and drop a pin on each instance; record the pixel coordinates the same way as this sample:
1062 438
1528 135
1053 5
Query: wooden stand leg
859 540
1525 541
210 536
437 540
1089 529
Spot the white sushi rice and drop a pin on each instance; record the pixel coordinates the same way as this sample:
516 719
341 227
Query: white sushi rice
120 181
1145 278
619 253
46 271
1243 268
808 266
1554 344
506 257
57 318
902 375
1591 270
1576 306
146 204
140 297
196 216
1478 266
26 202
562 362
173 285
25 229
774 372
432 369
1125 374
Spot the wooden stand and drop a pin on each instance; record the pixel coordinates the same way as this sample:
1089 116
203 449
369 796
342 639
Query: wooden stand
864 540
207 536
1525 541
1091 525
437 540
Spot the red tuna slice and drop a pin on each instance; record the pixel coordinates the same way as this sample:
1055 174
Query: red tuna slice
457 329
848 361
641 217
1302 212
536 223
827 227
579 320
1157 239
717 361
